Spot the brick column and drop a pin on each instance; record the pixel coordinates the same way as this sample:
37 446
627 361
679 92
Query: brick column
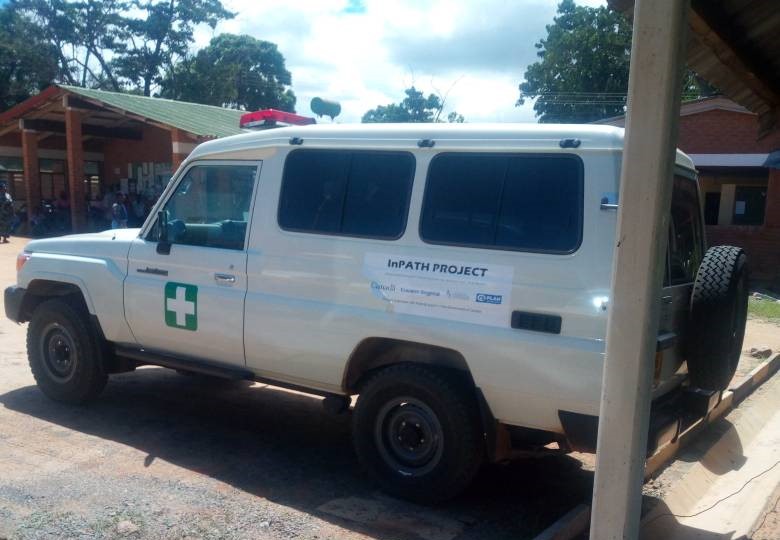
32 176
177 156
772 215
78 206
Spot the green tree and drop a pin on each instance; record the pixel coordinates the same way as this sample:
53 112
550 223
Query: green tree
161 35
415 108
118 44
102 33
582 74
27 62
239 72
82 35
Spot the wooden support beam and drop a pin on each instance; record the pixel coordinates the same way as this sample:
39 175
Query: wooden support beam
69 101
9 129
748 83
45 135
734 48
52 107
87 129
727 52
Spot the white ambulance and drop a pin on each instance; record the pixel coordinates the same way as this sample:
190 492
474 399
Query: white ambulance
455 277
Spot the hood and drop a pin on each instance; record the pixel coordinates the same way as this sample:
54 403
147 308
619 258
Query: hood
106 244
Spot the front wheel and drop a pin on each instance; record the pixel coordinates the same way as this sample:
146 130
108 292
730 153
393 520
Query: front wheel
417 432
65 352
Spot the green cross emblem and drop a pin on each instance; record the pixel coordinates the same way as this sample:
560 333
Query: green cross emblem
181 306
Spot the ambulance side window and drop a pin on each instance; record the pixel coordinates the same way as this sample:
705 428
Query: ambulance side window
346 193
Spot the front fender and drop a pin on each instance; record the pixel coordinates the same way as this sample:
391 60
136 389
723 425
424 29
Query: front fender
100 280
59 277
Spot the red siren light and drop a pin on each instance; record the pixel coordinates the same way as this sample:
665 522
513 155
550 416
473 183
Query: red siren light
271 118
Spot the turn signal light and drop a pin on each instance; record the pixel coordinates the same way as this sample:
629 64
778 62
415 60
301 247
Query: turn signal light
22 258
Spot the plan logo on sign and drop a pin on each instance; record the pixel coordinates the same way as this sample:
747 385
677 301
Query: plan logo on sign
489 298
181 306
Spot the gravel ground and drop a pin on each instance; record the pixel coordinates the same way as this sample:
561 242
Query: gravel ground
179 458
160 455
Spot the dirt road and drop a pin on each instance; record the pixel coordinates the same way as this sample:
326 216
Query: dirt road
160 455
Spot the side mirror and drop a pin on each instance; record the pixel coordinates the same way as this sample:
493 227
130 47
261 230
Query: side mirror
163 244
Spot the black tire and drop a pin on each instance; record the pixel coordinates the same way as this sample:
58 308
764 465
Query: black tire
65 352
717 318
407 403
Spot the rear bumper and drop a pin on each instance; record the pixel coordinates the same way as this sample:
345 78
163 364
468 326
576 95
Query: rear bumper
669 415
13 298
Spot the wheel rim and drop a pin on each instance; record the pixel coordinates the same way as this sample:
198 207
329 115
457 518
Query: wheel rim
408 435
59 352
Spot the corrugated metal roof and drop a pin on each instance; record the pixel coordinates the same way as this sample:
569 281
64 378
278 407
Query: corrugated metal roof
734 45
201 120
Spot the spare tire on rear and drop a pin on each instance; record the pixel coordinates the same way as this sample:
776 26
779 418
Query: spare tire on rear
717 318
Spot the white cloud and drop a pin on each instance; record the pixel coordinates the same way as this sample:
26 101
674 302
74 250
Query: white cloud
365 54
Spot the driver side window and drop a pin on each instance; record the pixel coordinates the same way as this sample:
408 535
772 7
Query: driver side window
210 206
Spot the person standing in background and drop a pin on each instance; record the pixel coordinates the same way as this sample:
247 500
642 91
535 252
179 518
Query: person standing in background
62 205
6 213
119 212
107 205
139 210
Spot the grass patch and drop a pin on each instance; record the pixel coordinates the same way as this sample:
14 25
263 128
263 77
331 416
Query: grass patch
764 309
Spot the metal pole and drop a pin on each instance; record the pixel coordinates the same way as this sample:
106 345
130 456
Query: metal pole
654 91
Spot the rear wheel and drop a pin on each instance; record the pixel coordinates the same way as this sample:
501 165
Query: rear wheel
717 318
65 352
417 432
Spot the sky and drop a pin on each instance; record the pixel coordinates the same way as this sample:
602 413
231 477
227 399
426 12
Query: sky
364 53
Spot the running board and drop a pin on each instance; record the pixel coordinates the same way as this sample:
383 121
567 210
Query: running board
216 369
205 367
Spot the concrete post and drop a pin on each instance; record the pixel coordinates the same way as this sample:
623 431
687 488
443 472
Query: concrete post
726 212
75 150
32 174
653 111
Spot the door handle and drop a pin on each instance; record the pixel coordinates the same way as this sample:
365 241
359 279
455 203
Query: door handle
225 279
666 299
155 271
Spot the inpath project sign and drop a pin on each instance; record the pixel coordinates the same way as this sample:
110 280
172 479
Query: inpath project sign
453 290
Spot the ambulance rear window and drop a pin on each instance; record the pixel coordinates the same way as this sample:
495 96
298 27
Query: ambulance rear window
521 202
